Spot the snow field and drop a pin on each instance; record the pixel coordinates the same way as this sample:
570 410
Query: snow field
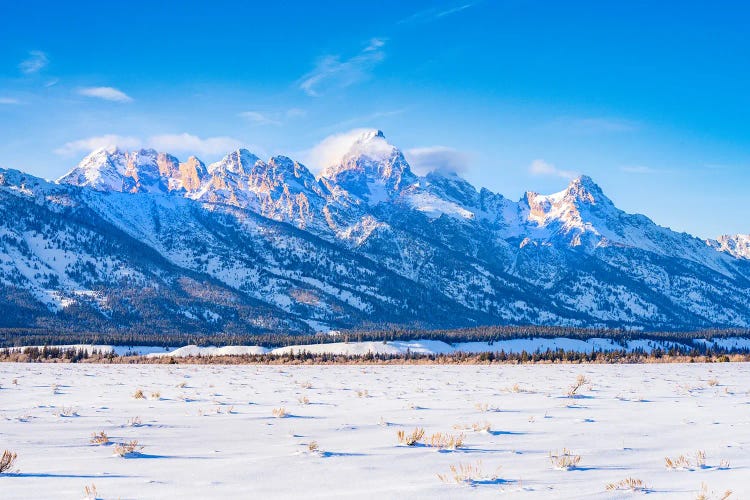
247 431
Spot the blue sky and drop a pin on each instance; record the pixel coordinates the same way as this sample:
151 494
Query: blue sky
650 99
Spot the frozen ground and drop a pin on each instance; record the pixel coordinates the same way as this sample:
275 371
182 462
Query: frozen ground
211 432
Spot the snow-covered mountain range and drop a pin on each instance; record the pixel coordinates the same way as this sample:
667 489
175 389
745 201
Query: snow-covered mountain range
143 241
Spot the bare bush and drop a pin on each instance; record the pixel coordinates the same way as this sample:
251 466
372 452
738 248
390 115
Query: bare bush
629 483
279 412
90 493
445 441
67 411
580 382
139 394
100 438
565 460
128 449
410 439
466 474
7 461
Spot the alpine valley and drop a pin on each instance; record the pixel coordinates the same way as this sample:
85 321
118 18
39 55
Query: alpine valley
142 241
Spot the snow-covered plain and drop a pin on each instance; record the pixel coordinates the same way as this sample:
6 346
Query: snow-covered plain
211 433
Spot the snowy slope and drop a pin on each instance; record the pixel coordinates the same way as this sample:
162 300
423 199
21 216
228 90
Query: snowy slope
368 242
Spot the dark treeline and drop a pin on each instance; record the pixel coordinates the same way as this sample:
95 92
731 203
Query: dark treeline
673 354
21 337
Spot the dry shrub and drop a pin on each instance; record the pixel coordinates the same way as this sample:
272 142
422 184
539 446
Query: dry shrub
629 483
685 463
705 494
713 382
580 382
483 407
279 412
445 441
476 427
67 411
565 460
465 474
481 427
410 439
700 458
128 449
313 447
7 460
99 438
139 394
90 493
362 393
681 462
156 395
135 422
304 400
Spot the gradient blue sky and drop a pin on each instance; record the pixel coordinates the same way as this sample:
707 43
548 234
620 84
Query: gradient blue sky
649 98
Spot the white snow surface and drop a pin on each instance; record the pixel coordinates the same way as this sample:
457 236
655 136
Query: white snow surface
529 345
210 432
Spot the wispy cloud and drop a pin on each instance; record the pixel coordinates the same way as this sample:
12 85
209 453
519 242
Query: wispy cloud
102 141
437 159
193 144
106 93
333 72
172 143
434 13
542 168
9 100
36 62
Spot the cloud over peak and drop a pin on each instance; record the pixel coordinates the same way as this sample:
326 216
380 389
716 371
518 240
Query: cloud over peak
172 143
440 159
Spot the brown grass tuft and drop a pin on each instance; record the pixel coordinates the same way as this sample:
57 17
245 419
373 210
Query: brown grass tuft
7 460
99 438
128 449
465 474
445 441
629 483
410 439
580 382
565 460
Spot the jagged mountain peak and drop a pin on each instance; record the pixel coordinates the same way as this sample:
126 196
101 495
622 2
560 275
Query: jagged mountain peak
368 166
584 189
736 245
140 170
239 161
